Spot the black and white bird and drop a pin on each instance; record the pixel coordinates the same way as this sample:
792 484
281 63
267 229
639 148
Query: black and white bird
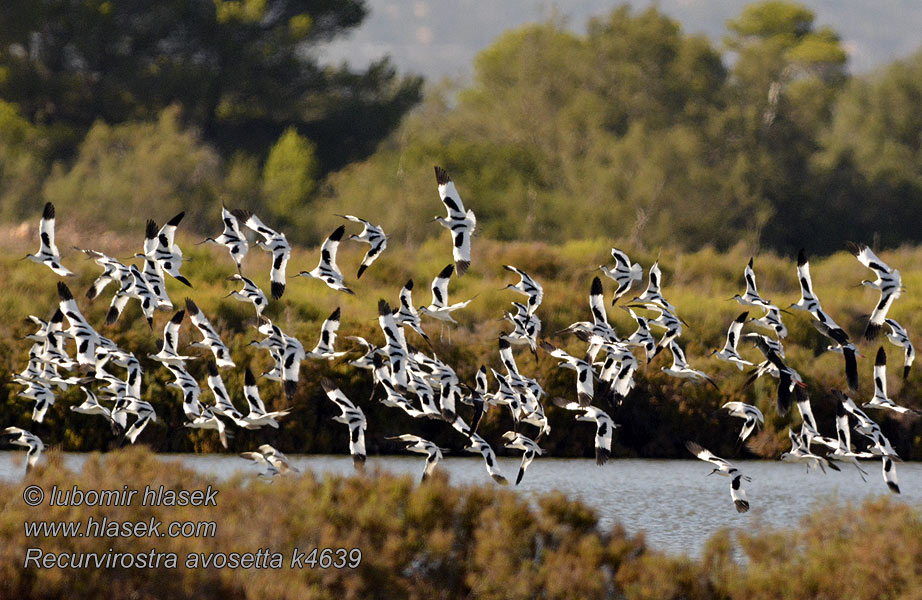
788 378
91 406
270 469
414 443
604 427
868 428
808 302
223 406
327 270
258 416
371 235
528 447
48 252
189 387
325 345
461 224
208 419
168 353
729 352
160 246
889 472
478 444
231 238
616 376
752 416
585 375
900 337
351 416
395 347
143 411
79 329
210 338
250 293
133 285
21 437
880 399
439 308
408 315
623 273
771 320
112 271
800 453
723 467
273 242
527 286
751 296
680 369
888 283
653 294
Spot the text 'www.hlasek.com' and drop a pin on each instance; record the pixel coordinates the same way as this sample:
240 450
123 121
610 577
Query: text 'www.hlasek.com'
151 527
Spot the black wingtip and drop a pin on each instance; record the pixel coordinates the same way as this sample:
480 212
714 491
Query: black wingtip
853 248
291 387
601 456
91 293
334 316
462 266
518 478
871 331
241 215
361 270
212 368
446 272
178 317
503 343
48 213
742 318
248 378
881 359
191 307
441 176
337 234
596 287
906 371
175 220
151 229
112 315
750 262
277 290
893 487
183 281
384 308
801 257
64 291
58 317
741 506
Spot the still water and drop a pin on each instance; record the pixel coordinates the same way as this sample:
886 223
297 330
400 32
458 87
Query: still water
673 502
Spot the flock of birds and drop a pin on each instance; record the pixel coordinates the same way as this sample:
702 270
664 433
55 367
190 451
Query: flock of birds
419 383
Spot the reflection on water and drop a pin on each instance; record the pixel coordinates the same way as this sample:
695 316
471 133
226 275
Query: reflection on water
672 501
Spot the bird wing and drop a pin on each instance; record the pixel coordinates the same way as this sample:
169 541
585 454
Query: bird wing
440 287
449 194
46 231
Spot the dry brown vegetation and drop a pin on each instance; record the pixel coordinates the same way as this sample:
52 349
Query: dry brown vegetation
439 541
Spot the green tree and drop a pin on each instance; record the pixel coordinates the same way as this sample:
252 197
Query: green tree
243 70
289 174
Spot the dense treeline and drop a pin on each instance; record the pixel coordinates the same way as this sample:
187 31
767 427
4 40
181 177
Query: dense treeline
634 129
439 541
656 418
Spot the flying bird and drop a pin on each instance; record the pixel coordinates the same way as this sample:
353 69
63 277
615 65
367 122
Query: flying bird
371 235
529 448
439 308
273 242
623 273
729 352
880 399
48 252
327 270
21 437
604 427
723 467
231 238
527 286
250 293
478 444
414 443
900 337
461 224
751 414
160 246
888 283
210 338
353 417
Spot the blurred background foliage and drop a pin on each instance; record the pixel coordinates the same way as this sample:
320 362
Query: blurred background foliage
633 130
